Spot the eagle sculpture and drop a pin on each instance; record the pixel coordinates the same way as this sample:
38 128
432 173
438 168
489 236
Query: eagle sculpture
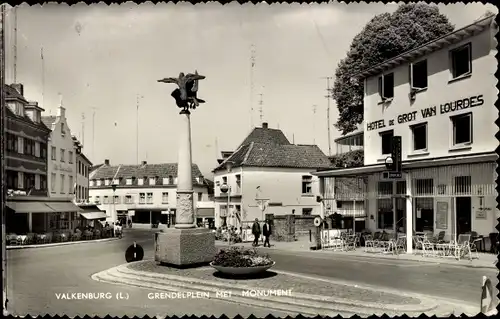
186 94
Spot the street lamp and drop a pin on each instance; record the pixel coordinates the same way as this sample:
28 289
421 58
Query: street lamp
225 188
113 187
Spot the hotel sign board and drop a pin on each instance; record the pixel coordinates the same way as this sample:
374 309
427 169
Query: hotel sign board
448 107
442 215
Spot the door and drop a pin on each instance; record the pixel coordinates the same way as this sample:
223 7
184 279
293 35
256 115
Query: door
464 215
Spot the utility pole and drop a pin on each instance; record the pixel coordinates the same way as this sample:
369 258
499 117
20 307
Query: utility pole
137 129
83 130
261 111
252 69
43 77
3 120
93 133
314 123
328 97
15 44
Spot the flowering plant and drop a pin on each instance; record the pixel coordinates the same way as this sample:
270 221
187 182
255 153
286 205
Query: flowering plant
239 257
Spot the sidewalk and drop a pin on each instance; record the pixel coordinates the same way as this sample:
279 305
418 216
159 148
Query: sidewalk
485 260
282 291
61 244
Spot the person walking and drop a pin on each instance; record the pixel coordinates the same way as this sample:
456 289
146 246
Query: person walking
256 232
266 231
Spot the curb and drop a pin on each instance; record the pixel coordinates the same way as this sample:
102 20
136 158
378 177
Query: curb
298 302
61 244
378 257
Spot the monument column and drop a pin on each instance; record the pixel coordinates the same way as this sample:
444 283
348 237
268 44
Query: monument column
185 206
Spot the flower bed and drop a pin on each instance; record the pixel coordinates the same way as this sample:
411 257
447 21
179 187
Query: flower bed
240 257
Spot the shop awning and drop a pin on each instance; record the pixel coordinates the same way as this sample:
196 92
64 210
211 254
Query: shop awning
63 207
29 207
93 215
205 212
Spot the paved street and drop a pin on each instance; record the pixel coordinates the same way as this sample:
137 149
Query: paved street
36 275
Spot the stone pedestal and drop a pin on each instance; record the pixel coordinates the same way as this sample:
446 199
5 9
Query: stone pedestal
185 247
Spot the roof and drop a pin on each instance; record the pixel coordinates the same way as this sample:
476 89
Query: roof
26 119
283 156
85 158
266 136
429 47
12 93
49 120
140 171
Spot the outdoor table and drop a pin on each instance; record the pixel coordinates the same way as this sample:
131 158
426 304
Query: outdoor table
22 238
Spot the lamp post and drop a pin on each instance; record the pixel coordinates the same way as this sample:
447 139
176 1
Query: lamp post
113 187
225 188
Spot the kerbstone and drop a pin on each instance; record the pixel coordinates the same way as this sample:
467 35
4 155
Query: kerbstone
185 247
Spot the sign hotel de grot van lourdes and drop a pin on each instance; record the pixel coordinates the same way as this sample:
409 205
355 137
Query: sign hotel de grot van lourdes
457 105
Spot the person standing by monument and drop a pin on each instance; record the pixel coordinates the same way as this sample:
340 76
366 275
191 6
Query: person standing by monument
256 232
266 231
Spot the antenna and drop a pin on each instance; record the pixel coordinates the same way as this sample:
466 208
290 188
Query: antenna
261 108
314 123
15 44
93 132
252 68
137 128
43 76
328 97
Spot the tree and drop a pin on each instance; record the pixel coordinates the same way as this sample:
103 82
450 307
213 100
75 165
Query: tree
384 37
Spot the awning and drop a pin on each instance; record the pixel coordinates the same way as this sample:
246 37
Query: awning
29 207
93 215
205 212
63 207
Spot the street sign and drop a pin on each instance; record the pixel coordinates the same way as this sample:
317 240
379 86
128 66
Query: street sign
396 153
393 175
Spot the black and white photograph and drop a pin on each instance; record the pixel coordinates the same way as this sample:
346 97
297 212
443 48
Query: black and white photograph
249 159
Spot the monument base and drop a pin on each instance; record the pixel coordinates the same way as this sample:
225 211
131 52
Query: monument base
185 247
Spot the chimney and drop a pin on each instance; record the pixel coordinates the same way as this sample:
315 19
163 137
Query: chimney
61 109
106 162
264 125
18 87
144 163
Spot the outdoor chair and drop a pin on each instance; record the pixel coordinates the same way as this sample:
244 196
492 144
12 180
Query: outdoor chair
439 239
30 239
368 242
11 239
97 234
349 243
462 247
76 236
428 248
493 242
476 241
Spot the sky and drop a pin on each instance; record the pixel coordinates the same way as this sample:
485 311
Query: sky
100 58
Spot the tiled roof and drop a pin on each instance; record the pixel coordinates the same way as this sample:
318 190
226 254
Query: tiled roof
49 120
25 118
283 156
266 136
10 92
140 171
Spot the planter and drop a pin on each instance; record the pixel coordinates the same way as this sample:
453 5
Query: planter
242 270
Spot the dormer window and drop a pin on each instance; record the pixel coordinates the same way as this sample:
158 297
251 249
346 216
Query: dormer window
165 181
198 180
175 181
152 181
107 181
129 181
116 181
91 183
99 182
141 181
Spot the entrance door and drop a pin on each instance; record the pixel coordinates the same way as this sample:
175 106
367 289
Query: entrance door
464 215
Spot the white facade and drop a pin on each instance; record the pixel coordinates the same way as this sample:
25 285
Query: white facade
441 104
278 190
82 177
61 157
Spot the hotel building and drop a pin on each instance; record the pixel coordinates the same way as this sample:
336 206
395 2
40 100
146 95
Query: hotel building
439 98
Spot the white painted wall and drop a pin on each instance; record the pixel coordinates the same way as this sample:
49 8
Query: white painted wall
440 91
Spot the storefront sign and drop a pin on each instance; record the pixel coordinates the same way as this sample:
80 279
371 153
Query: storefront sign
445 108
481 212
62 168
442 215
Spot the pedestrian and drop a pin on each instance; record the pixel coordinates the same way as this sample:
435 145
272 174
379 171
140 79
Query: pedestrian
256 232
266 231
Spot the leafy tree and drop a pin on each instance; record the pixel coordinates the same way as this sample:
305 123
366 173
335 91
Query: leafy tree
384 37
348 159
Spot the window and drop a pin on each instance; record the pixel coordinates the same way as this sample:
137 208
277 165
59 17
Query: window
224 180
462 129
128 199
401 187
424 219
106 200
463 184
63 182
141 181
29 147
152 181
37 149
70 157
116 181
165 181
386 86
142 198
306 184
200 197
20 145
53 154
29 181
98 199
107 181
164 198
43 182
418 75
20 180
419 133
461 63
63 129
91 183
424 186
387 141
12 142
117 199
99 182
71 189
307 211
62 155
53 182
384 188
129 181
150 198
385 216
